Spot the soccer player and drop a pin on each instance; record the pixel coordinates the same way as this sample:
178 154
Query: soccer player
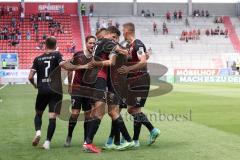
48 69
79 102
101 33
105 56
138 60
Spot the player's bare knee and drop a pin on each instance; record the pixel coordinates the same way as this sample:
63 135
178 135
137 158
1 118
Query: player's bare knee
52 115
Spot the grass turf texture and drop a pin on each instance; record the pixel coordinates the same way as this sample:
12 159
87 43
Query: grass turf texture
213 133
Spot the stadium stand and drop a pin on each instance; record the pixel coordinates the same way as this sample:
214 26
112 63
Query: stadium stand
208 52
26 49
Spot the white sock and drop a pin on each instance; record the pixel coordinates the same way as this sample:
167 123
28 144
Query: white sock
38 133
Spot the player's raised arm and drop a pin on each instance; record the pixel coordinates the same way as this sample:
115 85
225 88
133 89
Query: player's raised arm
142 57
110 62
121 50
70 67
141 64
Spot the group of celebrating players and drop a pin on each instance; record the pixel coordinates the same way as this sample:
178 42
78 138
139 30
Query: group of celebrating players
99 75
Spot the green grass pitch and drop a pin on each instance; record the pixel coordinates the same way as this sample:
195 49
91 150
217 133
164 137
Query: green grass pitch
210 132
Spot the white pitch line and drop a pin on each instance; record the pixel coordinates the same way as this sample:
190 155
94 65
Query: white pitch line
3 86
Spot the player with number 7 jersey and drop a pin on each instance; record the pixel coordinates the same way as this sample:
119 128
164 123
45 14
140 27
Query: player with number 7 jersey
49 84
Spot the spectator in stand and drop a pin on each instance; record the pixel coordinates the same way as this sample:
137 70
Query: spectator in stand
148 13
194 34
44 37
22 16
226 33
35 27
51 31
212 32
207 14
3 10
72 48
91 8
180 15
1 33
155 30
83 9
172 45
190 35
222 32
168 16
109 23
207 32
143 13
61 10
13 22
187 22
19 34
198 34
183 35
28 34
1 13
165 29
117 25
218 19
47 15
196 13
32 17
10 11
14 42
98 24
202 13
217 30
62 29
175 15
39 17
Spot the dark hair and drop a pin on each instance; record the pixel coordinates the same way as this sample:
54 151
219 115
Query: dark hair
100 30
89 37
130 26
115 30
51 43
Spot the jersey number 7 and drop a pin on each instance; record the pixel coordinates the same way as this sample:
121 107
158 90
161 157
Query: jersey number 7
47 67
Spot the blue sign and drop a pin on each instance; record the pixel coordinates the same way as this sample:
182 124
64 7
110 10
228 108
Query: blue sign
11 58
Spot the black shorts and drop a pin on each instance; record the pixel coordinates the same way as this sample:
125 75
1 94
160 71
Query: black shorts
105 92
140 101
142 86
137 101
53 100
101 89
81 103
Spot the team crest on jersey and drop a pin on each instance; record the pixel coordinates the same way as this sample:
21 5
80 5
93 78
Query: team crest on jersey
138 100
111 96
124 100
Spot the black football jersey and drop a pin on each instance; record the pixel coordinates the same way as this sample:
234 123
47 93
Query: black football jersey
104 48
48 72
80 58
